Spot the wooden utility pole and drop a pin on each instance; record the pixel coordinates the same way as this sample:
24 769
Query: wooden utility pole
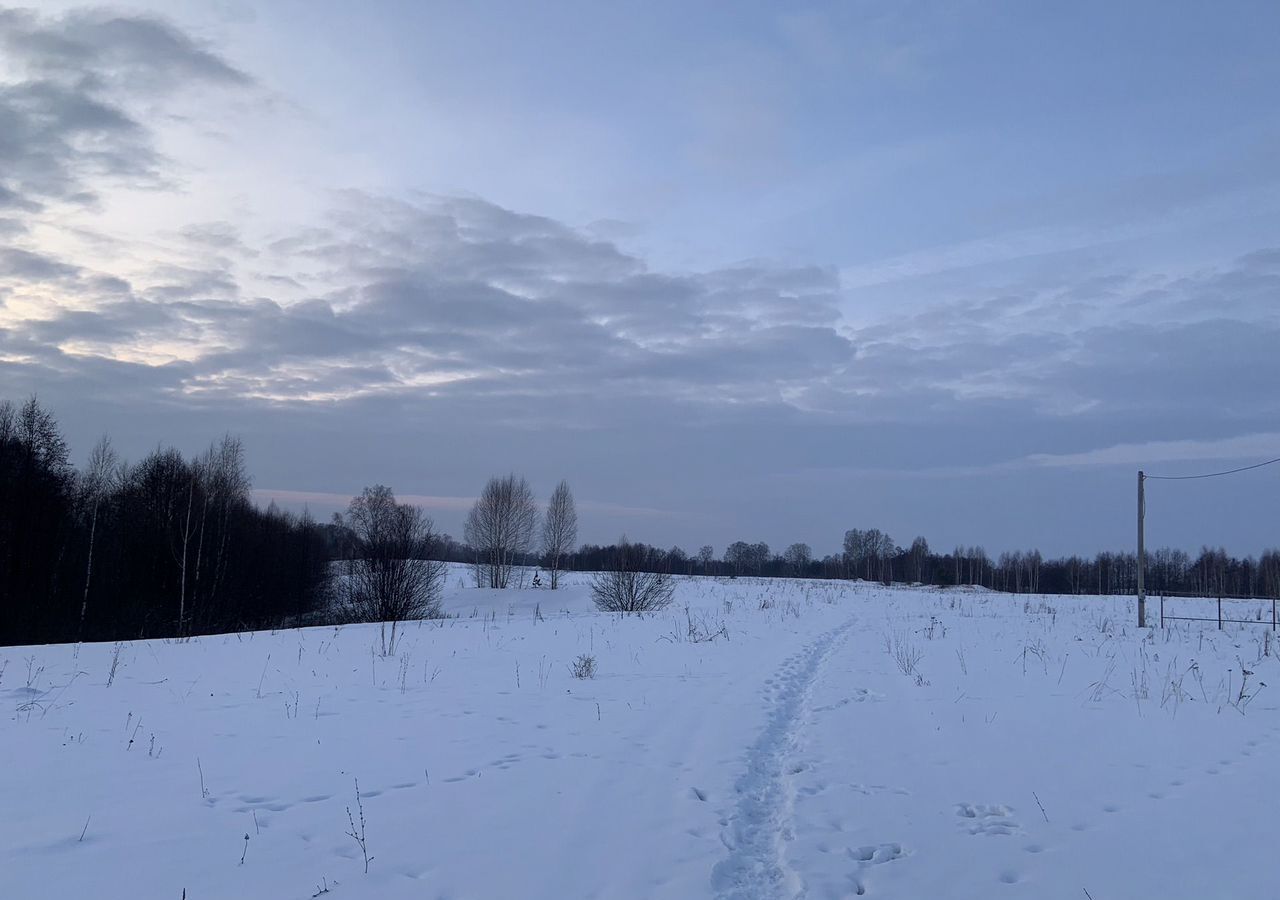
1142 550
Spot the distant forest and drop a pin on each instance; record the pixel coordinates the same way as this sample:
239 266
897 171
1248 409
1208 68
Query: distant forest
171 546
162 547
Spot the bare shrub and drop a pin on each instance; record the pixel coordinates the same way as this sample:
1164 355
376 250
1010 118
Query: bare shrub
626 586
697 630
391 575
583 667
701 630
905 654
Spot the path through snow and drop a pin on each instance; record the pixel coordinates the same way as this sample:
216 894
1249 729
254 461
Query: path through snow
760 825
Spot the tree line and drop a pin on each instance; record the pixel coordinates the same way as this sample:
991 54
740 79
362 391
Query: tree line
871 555
172 546
168 546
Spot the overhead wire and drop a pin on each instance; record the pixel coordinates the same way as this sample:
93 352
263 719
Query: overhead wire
1215 474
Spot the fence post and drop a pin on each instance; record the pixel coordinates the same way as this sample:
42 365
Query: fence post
1219 613
1273 613
1162 609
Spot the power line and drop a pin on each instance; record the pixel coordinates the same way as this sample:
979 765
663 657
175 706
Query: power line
1215 474
1142 527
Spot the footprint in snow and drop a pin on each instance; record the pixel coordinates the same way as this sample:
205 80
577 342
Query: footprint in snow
875 854
988 819
868 856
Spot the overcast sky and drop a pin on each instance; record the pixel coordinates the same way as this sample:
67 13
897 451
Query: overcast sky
737 271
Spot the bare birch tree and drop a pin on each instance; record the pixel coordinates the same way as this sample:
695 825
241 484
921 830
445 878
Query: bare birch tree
559 529
228 487
500 529
100 479
919 554
185 532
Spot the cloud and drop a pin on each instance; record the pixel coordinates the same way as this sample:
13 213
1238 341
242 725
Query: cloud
458 303
454 299
1247 446
138 52
25 265
68 88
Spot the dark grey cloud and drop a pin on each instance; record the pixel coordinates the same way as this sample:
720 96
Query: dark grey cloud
460 299
104 48
25 265
67 104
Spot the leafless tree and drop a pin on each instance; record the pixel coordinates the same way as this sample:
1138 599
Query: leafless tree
798 557
870 551
203 497
706 555
227 486
678 560
1269 570
500 529
99 480
559 529
626 585
183 534
919 555
392 576
746 557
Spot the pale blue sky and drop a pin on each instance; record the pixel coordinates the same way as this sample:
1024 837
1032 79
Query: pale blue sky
738 271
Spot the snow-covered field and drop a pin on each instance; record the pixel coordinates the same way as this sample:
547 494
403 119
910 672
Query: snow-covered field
842 740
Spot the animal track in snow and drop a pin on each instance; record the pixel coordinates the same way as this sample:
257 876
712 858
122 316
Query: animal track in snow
872 855
989 819
875 854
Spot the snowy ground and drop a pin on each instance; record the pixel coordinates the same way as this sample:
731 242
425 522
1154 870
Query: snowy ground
1038 747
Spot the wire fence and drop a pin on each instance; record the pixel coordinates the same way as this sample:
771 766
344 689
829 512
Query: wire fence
1240 609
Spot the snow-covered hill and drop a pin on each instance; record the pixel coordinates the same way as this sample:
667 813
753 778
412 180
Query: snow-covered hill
834 740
